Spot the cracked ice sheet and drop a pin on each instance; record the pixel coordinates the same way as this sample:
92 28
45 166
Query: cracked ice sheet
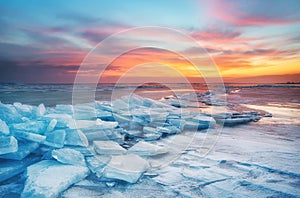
250 144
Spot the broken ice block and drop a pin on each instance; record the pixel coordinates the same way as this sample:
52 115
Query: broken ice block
179 123
146 149
85 111
8 144
3 128
29 136
24 110
133 133
150 130
9 114
75 137
119 105
169 130
48 178
128 168
31 126
94 125
189 125
97 163
104 106
51 125
24 149
105 115
41 109
68 156
64 109
10 168
55 138
63 120
151 136
108 148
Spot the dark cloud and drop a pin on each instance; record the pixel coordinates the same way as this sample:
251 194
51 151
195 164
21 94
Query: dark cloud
95 37
12 71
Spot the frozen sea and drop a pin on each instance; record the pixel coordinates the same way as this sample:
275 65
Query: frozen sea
258 159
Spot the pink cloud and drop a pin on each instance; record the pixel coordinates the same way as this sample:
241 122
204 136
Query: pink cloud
232 13
218 36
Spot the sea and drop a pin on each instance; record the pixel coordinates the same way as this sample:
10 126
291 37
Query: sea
53 94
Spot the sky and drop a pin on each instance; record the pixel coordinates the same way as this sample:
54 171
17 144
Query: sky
249 41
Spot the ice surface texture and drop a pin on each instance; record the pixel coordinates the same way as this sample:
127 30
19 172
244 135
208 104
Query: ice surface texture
70 142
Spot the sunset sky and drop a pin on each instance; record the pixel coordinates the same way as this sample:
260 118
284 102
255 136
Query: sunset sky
250 41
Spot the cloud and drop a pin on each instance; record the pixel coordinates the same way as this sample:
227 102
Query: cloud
240 13
12 71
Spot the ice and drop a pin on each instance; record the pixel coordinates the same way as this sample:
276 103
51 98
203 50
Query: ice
169 130
51 125
9 114
68 156
48 178
55 138
236 121
146 149
108 148
3 128
24 149
179 123
103 106
63 120
89 126
29 136
150 130
128 167
133 133
8 144
119 105
105 115
75 137
64 109
25 110
41 110
85 111
151 136
97 163
11 168
31 126
242 160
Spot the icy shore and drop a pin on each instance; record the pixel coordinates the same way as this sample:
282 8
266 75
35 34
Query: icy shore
111 146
